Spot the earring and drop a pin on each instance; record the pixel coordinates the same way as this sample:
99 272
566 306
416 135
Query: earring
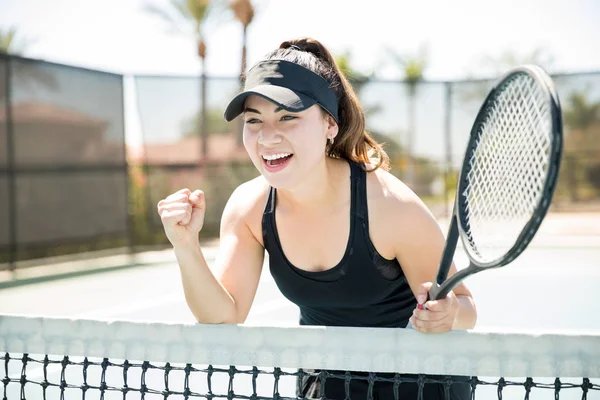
331 141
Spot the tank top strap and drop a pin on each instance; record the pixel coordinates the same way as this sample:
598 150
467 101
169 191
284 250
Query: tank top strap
268 218
359 192
270 203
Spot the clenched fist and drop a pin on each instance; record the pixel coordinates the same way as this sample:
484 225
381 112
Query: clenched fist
182 216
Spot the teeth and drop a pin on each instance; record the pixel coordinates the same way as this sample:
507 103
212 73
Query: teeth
272 157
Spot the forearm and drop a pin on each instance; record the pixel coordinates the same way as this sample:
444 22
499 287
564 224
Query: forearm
206 297
466 317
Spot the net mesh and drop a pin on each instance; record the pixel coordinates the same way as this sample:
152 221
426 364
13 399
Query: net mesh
508 167
54 358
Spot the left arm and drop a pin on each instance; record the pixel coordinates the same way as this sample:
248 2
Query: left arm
419 251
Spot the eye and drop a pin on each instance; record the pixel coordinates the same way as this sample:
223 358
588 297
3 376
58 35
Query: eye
252 121
288 117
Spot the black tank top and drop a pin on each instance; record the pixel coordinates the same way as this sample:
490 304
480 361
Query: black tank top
364 289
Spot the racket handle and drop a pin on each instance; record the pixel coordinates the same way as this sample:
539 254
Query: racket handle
433 292
448 254
445 263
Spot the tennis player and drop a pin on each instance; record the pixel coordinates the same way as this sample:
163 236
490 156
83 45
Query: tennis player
349 243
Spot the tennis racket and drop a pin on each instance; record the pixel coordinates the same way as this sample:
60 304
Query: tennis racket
508 175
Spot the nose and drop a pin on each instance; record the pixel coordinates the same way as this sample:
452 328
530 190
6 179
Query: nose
269 137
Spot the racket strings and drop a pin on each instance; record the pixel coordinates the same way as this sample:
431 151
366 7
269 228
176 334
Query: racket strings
508 168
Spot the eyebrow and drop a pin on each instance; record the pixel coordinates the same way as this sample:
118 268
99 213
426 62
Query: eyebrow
252 110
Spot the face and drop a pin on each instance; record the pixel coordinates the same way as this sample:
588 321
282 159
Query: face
285 146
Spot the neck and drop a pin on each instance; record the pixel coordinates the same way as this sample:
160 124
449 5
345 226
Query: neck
319 192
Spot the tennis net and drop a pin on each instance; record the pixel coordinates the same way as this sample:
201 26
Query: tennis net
61 358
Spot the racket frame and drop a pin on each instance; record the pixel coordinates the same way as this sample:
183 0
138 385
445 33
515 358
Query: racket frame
459 219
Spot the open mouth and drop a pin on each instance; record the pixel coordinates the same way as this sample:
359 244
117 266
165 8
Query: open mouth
277 161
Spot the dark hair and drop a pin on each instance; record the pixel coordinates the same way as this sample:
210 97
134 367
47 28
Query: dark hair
353 142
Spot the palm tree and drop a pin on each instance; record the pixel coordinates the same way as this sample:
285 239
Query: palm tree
413 68
494 66
356 78
7 40
184 16
10 43
508 59
25 74
243 11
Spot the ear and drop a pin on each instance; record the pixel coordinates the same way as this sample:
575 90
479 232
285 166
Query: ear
332 126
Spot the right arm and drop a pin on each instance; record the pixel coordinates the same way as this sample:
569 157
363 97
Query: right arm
226 295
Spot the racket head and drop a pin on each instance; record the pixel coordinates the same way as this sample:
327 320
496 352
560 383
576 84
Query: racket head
510 167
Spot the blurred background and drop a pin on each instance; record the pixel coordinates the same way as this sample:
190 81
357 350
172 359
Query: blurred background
107 107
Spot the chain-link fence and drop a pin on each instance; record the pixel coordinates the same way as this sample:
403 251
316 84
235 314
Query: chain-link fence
425 128
66 184
63 170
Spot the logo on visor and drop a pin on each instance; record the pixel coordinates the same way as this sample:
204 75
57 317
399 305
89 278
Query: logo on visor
264 73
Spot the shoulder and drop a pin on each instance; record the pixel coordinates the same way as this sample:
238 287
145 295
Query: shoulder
391 200
390 192
248 195
246 205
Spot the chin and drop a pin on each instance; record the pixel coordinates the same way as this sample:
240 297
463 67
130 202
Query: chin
280 180
280 177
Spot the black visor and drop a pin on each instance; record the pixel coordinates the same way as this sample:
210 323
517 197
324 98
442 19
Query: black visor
288 85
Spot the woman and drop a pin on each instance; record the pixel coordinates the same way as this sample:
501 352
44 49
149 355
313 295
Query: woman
348 243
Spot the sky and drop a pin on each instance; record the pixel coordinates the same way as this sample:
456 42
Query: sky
119 36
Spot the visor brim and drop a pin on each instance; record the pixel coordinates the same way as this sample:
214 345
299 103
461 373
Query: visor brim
281 96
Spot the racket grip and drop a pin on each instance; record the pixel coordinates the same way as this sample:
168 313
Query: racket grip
433 291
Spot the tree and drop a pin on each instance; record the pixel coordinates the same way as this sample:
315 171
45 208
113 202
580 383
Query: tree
582 121
243 11
488 68
356 78
190 17
216 124
413 68
425 171
581 113
25 74
507 59
10 43
7 40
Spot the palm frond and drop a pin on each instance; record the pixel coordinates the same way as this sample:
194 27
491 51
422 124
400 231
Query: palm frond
243 10
13 43
196 10
7 40
174 22
413 67
218 14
